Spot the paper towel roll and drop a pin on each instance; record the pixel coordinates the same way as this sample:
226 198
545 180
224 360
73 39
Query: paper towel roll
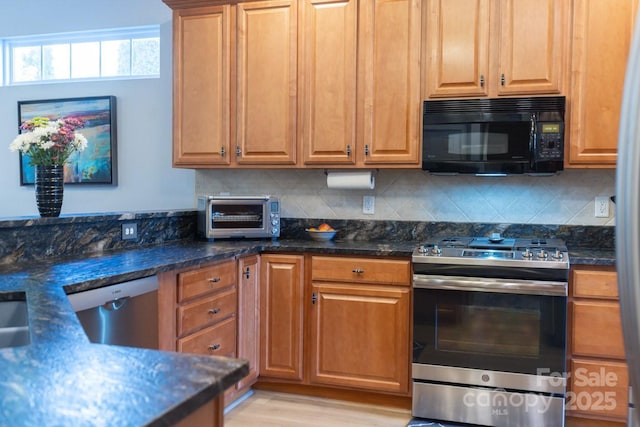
360 180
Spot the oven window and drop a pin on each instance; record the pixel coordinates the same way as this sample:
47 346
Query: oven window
232 216
489 330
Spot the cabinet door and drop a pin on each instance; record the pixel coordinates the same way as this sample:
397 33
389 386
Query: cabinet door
597 329
599 388
602 31
360 337
281 310
201 119
328 72
249 316
456 48
266 82
531 46
390 98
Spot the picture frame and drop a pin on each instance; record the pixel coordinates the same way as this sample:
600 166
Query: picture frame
97 163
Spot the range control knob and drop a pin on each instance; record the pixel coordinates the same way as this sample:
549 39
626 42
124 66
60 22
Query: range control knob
543 254
423 249
557 254
436 250
527 254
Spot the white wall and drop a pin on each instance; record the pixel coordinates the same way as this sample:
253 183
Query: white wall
146 180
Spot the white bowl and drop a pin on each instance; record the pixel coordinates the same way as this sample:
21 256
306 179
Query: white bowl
322 236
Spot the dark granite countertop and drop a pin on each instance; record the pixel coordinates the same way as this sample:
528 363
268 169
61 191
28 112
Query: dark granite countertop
581 256
61 378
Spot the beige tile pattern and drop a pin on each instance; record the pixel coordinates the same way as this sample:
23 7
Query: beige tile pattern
413 195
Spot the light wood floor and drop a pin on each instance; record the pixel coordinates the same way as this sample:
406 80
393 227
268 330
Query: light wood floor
272 409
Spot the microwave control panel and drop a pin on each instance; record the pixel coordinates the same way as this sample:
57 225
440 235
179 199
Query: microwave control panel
549 141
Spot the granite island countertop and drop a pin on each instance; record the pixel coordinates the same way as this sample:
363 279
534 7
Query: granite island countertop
61 378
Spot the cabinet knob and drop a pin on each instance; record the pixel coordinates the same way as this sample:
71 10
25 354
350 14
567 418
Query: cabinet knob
222 152
238 152
247 273
214 280
502 80
482 80
214 347
214 311
348 150
358 270
366 150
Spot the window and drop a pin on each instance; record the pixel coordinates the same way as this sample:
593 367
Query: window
107 54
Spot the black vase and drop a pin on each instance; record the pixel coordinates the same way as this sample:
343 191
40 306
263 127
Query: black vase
49 189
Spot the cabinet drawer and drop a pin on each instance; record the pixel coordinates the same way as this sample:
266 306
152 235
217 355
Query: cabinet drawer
595 284
206 311
206 280
361 270
597 329
218 340
599 387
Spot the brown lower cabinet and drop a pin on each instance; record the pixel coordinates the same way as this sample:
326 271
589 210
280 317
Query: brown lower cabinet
340 326
333 321
281 316
212 309
598 382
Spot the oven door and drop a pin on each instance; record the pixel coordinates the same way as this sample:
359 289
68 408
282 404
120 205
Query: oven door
504 325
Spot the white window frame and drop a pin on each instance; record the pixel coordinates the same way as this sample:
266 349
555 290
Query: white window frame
10 43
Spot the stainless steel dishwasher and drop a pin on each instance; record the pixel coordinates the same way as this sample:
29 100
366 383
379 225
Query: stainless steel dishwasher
123 314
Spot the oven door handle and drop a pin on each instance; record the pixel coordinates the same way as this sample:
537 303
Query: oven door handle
479 284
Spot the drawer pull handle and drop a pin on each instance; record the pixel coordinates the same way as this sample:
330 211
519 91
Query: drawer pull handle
214 347
214 311
358 270
214 280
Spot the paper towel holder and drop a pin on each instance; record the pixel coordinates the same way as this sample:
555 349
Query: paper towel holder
374 171
344 179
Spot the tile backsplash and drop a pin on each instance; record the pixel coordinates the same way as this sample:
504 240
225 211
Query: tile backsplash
413 195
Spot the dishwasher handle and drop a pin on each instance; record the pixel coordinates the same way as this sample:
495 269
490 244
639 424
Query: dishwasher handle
115 304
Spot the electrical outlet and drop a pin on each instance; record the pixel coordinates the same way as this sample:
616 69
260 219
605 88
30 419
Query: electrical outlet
602 207
369 205
129 231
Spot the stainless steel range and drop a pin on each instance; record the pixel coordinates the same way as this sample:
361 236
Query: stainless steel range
489 326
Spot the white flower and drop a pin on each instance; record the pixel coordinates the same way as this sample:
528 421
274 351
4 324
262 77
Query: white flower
49 142
21 143
79 142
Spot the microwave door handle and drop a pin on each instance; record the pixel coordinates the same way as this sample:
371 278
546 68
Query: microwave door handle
533 140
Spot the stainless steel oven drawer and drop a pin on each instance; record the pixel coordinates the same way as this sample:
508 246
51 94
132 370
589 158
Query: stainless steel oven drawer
484 406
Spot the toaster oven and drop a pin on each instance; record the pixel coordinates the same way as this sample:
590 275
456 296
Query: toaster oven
227 217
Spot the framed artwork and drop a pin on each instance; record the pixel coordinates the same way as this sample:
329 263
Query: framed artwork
96 164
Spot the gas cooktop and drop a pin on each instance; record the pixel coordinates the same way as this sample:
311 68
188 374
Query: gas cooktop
493 250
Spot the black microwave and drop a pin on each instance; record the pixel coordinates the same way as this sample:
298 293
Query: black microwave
494 136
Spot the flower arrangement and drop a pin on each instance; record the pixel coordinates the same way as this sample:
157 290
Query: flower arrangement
49 142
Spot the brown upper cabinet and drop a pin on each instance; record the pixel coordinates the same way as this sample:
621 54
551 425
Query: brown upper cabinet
234 83
297 83
495 47
602 31
360 74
